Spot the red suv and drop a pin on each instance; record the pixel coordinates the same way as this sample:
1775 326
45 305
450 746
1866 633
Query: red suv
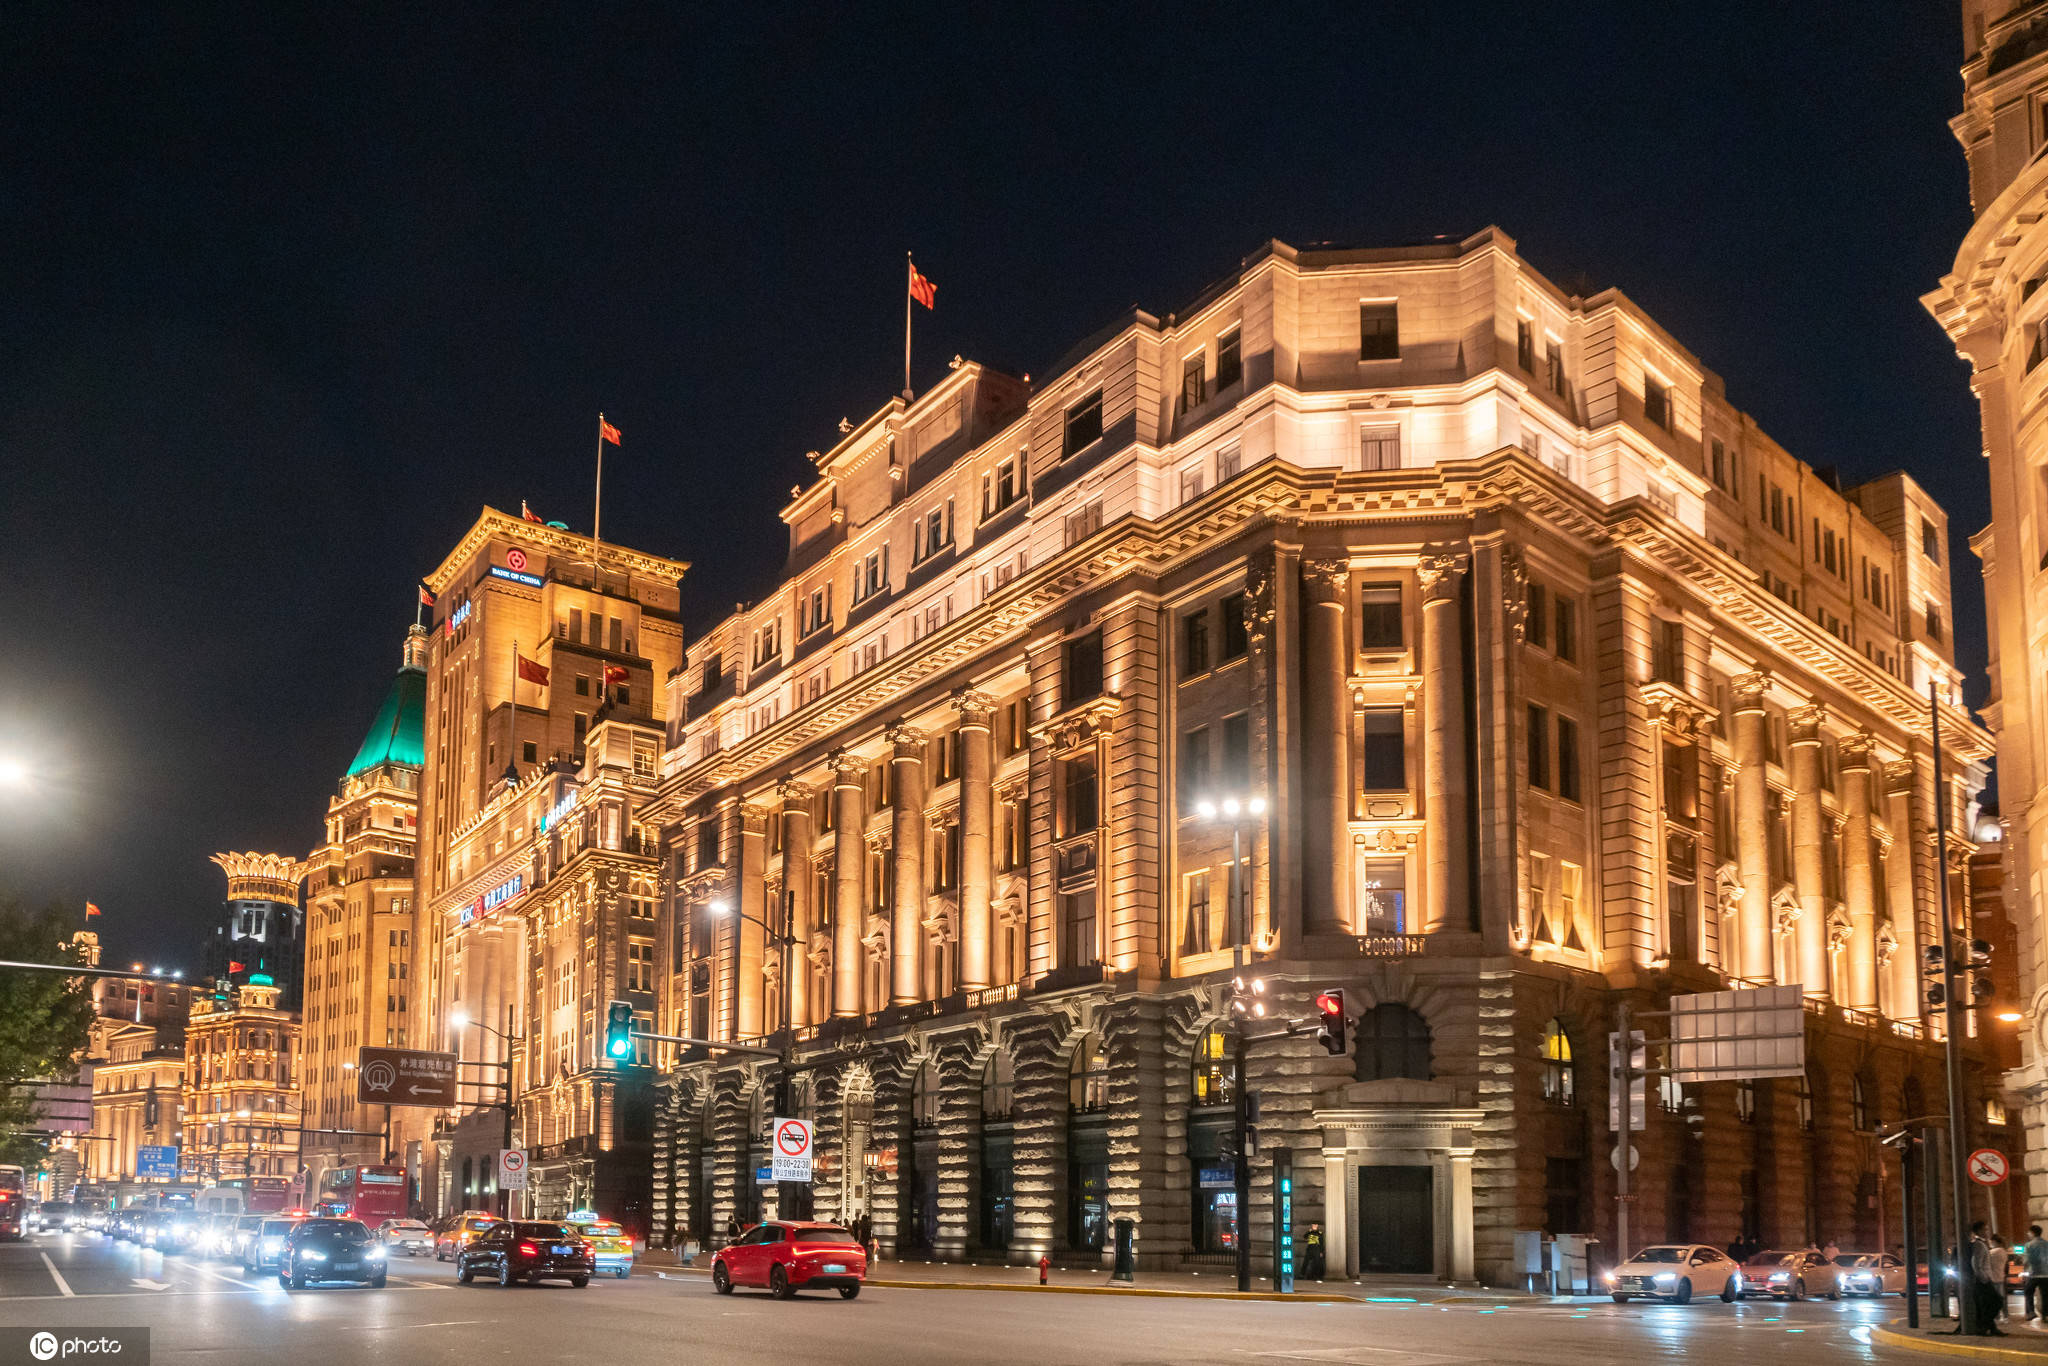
787 1257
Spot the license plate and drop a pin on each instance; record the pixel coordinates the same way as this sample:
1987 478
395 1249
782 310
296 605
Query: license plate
839 1267
562 1249
344 1266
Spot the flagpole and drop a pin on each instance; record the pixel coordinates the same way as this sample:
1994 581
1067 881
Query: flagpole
597 512
909 272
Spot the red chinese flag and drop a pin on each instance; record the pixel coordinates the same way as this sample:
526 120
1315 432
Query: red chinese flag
234 966
923 290
530 672
608 431
528 513
91 910
426 596
614 673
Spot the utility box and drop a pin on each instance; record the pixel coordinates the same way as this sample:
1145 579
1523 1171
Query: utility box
1571 1256
1527 1259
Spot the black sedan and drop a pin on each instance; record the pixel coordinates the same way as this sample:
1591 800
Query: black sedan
526 1251
331 1250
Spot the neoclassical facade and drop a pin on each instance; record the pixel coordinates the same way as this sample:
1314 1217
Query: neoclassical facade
1561 684
1990 304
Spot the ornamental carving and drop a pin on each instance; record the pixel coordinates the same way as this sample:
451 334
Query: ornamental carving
875 939
796 796
1326 580
1514 592
975 708
849 766
1838 929
1887 945
1258 601
1728 888
1438 571
1804 723
1008 911
1677 710
1853 751
1898 775
1785 909
819 950
1080 726
1012 790
1749 689
908 740
941 926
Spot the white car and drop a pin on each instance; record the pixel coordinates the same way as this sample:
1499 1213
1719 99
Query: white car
1869 1273
409 1236
1675 1272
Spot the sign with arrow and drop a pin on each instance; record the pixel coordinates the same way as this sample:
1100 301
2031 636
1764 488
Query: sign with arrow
405 1076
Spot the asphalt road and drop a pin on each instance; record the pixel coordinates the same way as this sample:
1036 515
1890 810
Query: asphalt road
201 1311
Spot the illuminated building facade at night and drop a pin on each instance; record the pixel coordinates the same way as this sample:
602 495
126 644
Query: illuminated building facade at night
1992 307
536 881
360 925
1559 679
241 1111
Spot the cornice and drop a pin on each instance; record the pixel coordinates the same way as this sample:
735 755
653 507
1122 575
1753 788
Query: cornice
493 524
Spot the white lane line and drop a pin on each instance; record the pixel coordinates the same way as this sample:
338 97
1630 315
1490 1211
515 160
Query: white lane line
63 1288
222 1276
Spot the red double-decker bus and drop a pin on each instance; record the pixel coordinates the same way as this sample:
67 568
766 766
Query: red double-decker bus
260 1194
371 1194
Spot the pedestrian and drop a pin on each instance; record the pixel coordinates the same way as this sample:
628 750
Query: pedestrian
2036 1254
1832 1250
732 1229
1312 1254
1987 1260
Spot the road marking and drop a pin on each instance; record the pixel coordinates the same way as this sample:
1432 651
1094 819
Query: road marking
223 1276
147 1284
62 1288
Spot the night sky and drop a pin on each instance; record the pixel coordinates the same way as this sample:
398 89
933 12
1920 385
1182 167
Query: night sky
289 299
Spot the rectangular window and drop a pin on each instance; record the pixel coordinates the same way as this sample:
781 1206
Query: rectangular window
1081 678
1379 448
530 752
1554 364
1084 424
1229 361
1196 932
581 727
1083 524
1237 752
1681 783
1194 643
1194 389
1077 915
707 844
1536 623
582 685
1078 807
1667 658
1194 767
1191 482
1565 621
1538 742
1385 751
1386 896
1717 463
1380 622
1657 402
1229 461
1930 541
1525 344
1568 759
1933 622
1379 331
1235 638
998 488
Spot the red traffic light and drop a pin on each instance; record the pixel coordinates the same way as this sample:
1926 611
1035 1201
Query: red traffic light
1330 1002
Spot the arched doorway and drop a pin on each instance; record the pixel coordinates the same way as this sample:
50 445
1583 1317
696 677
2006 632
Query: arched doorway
1088 1147
857 1122
920 1191
998 1194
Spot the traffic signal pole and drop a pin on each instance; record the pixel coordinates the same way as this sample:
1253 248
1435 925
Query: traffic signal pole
1952 1008
1241 1166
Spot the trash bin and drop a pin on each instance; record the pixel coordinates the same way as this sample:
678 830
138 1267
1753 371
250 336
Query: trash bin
1126 1252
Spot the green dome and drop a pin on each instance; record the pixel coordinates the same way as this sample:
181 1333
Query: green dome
396 735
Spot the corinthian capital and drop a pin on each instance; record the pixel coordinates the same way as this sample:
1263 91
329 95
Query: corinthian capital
1438 571
976 708
1750 689
849 766
1804 723
794 793
908 740
1325 580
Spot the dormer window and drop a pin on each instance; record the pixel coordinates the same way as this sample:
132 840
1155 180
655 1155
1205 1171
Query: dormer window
1084 424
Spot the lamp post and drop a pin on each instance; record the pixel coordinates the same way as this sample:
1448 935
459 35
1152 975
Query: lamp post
1243 1004
780 938
460 1020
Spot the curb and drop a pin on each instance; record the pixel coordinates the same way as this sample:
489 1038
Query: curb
1005 1287
1890 1337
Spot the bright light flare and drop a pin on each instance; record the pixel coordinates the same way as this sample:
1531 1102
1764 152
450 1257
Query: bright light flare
13 772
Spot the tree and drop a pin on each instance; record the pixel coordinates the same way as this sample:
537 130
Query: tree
45 1022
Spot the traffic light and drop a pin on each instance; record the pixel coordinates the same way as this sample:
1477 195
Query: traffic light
1251 1124
1937 994
1248 998
1330 1002
618 1029
1934 957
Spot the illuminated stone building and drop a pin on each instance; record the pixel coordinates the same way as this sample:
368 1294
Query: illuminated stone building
137 1098
360 925
1560 680
537 882
241 1085
259 940
1992 306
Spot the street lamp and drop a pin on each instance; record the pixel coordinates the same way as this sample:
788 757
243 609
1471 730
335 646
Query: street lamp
1245 1000
780 939
459 1018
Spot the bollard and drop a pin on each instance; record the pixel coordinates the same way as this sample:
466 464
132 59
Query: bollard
1126 1270
1044 1268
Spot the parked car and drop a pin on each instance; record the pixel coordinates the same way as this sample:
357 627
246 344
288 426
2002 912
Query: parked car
317 1250
1788 1275
787 1256
457 1231
1869 1274
609 1243
526 1250
409 1236
1676 1272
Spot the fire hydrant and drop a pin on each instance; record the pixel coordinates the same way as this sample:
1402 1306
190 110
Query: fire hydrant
1044 1268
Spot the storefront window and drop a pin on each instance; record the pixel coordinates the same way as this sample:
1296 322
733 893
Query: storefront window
1212 1072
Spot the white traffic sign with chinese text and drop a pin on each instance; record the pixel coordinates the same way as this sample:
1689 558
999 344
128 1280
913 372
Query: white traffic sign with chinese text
789 1149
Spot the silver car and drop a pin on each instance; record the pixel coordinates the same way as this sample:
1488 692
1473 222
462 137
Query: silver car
1869 1273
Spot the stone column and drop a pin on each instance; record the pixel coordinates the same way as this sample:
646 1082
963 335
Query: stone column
906 935
1326 764
977 815
1858 882
1461 1215
748 988
1898 779
1446 852
796 882
1752 830
1812 930
1272 623
1336 1227
849 878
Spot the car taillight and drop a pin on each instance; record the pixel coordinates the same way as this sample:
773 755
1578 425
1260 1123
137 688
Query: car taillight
528 1250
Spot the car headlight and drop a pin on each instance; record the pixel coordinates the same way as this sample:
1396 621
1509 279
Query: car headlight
1610 1278
1664 1278
272 1244
307 1254
375 1254
1778 1276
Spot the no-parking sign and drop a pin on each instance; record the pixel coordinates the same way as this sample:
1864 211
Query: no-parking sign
1988 1167
789 1149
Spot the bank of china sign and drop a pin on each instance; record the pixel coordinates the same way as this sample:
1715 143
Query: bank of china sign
494 898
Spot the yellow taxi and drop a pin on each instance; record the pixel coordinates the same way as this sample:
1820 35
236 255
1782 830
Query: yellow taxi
458 1231
610 1243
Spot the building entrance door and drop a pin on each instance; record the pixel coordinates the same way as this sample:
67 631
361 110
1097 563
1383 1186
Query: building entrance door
1396 1220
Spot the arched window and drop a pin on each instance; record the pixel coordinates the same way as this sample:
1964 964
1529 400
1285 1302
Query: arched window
1212 1073
924 1095
1860 1117
1088 1085
1560 1079
1806 1103
999 1086
1745 1101
1393 1042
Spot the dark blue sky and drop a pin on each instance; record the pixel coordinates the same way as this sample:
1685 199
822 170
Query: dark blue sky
290 297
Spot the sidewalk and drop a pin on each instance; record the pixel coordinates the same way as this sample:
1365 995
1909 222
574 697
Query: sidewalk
921 1275
2022 1342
